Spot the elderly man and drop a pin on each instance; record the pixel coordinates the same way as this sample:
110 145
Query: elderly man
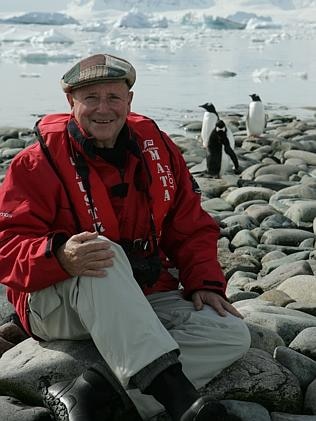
92 219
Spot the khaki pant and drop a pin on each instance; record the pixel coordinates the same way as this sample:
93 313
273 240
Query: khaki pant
131 331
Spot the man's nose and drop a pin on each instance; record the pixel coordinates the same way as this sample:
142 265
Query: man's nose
103 104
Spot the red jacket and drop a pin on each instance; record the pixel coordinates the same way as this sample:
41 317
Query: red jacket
38 201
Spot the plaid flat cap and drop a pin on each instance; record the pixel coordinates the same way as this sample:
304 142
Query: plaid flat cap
96 69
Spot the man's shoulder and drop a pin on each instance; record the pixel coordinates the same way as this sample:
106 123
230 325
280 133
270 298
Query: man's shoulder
53 123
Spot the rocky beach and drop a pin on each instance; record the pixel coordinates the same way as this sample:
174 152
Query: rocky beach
267 219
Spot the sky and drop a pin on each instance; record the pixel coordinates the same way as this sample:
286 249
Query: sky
31 5
275 8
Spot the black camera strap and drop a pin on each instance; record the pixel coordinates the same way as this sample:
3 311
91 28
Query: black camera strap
83 171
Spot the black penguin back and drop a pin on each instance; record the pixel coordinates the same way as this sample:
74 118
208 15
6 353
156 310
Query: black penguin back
214 150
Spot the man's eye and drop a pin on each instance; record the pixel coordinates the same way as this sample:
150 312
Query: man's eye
114 98
91 99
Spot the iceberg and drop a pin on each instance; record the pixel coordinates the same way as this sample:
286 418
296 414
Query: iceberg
51 37
255 23
136 19
41 18
216 22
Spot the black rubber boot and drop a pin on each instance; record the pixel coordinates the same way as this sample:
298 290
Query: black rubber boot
173 390
206 409
90 397
181 399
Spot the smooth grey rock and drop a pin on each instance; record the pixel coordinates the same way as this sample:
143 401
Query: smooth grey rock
12 409
257 377
24 367
243 206
300 288
211 187
12 143
246 411
260 212
305 342
308 157
302 367
309 400
244 238
289 133
217 204
278 298
273 264
308 243
277 170
285 236
285 249
239 222
302 213
305 308
7 132
244 194
281 416
193 126
6 308
277 221
239 278
272 255
264 338
284 198
280 274
238 295
286 323
9 152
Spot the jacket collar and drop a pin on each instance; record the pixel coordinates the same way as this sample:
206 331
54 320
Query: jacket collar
87 143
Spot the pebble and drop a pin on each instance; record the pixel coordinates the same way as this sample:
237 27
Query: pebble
267 219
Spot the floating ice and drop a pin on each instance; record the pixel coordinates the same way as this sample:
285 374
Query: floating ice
244 17
262 24
30 75
216 22
223 73
51 37
265 74
15 35
136 19
42 18
44 57
93 27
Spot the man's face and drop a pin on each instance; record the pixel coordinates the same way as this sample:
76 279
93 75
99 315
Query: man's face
101 110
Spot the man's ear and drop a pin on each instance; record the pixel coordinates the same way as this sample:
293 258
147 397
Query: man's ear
130 99
70 100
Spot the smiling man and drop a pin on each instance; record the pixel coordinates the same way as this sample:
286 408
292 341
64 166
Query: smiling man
92 218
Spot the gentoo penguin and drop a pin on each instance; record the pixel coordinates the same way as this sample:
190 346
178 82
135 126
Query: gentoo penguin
210 118
219 152
256 119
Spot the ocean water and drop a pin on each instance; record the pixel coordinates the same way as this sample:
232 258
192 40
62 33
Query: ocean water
177 69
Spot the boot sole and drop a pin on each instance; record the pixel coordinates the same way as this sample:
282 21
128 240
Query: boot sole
57 409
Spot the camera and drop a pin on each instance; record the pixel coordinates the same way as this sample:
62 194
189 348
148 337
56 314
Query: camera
146 269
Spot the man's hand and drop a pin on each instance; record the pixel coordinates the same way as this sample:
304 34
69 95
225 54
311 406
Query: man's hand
84 254
219 304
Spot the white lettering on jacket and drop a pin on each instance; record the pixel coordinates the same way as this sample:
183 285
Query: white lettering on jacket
97 225
5 214
164 172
